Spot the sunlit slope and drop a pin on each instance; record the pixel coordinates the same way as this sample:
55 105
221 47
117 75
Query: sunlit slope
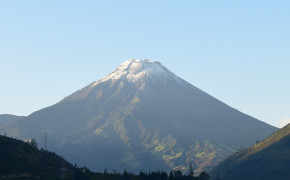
268 159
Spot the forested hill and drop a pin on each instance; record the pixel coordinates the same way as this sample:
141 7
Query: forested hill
21 159
268 159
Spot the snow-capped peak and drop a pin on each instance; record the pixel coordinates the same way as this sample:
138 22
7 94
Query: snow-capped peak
135 70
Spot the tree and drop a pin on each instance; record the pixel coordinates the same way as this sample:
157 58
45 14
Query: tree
171 174
125 175
33 143
105 171
177 173
191 171
204 176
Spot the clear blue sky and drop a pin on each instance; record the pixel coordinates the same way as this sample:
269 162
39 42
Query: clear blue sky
237 51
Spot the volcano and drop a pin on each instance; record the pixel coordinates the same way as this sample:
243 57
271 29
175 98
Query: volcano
141 117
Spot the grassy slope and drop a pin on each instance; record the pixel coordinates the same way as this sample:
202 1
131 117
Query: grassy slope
268 159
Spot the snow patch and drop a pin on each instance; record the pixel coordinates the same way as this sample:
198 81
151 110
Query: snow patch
136 71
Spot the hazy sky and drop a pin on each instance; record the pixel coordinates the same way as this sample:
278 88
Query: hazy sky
237 51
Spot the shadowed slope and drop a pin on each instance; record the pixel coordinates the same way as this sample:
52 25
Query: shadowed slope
19 159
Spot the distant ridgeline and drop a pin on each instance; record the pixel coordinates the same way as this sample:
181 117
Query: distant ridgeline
267 160
6 119
23 160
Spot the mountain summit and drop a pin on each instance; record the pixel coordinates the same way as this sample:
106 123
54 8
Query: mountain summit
142 117
137 71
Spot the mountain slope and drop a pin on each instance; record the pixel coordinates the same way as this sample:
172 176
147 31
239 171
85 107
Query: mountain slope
6 119
19 159
268 159
142 116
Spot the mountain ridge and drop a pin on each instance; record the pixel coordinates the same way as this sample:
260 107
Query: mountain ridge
6 119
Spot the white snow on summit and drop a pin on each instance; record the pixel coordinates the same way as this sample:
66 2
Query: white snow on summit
135 70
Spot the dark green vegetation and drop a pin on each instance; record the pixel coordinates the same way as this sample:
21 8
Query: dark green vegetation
268 159
21 160
159 175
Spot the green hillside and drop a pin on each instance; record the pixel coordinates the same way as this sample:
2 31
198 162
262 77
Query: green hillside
19 159
268 159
